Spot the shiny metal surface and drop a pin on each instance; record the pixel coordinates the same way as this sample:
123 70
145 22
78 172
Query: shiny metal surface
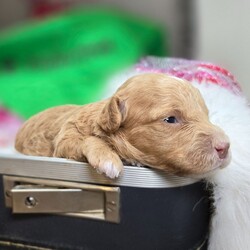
69 170
30 195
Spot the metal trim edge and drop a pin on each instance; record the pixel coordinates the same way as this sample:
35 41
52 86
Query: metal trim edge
68 170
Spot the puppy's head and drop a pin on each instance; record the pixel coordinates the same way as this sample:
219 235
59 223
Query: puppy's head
162 122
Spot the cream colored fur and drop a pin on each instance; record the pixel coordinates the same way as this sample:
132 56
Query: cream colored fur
132 126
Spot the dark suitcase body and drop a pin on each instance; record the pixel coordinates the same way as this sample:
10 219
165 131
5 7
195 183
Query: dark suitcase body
151 217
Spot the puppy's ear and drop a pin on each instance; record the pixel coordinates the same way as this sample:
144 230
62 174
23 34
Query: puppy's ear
112 115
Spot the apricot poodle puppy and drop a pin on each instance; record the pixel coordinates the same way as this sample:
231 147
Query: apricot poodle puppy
153 120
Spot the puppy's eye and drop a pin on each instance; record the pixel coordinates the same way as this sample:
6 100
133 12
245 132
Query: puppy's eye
170 119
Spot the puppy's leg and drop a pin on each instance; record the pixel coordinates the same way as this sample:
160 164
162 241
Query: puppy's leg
102 157
69 144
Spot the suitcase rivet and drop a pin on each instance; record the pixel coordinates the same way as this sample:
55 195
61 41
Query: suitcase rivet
110 209
30 202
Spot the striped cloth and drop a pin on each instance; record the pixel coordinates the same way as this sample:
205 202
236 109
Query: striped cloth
190 70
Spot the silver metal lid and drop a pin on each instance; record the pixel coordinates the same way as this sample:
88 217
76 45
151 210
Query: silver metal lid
12 163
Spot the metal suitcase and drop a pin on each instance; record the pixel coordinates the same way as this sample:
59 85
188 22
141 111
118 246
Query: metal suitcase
51 203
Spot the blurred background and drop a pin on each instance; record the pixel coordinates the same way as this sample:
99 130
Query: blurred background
54 52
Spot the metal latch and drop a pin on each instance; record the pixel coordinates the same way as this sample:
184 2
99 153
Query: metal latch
30 195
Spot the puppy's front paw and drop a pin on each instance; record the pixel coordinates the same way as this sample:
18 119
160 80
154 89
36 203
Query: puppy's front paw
108 163
108 168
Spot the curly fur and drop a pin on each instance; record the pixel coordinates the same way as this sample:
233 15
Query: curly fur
130 126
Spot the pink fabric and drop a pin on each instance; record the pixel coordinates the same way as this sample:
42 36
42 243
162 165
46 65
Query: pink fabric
9 124
191 70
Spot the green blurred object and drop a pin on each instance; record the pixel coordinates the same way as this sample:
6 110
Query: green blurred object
67 58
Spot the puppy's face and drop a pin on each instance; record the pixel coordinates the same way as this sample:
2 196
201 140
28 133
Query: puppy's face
162 122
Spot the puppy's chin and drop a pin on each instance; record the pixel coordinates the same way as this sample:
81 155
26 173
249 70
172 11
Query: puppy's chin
205 173
209 172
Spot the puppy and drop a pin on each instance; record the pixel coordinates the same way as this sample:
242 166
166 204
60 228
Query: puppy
153 119
229 109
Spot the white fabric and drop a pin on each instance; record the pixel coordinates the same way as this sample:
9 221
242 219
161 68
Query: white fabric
230 224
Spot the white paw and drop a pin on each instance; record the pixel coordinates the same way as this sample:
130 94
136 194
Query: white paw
109 169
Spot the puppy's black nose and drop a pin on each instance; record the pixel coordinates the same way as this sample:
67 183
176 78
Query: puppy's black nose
222 149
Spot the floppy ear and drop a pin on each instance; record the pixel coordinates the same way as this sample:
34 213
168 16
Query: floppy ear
112 115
